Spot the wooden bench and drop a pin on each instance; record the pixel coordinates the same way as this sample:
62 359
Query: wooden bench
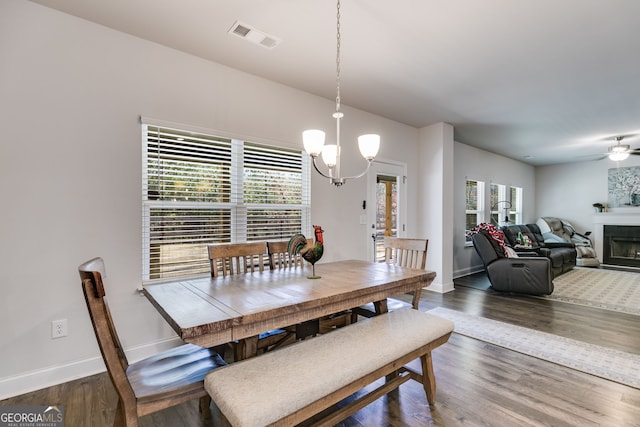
292 384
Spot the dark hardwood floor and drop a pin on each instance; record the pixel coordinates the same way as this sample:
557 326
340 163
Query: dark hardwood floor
478 384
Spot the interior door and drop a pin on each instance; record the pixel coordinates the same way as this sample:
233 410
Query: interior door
386 214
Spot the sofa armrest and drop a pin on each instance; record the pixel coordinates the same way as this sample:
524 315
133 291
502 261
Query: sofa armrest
532 252
545 252
527 253
552 245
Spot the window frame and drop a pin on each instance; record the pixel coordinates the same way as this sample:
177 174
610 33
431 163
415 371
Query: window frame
516 205
235 206
501 191
506 193
479 212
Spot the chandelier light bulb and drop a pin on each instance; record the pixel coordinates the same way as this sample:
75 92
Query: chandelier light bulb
313 141
369 145
330 154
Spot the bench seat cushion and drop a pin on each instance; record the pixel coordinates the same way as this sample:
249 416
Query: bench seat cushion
264 389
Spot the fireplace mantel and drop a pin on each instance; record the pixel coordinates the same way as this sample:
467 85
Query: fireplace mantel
622 216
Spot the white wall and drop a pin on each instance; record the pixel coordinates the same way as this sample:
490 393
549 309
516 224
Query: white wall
472 163
71 94
435 209
569 190
565 190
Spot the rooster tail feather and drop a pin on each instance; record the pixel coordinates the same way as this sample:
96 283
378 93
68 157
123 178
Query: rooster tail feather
296 244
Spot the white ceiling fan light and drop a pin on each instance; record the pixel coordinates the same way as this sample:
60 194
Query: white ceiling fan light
619 151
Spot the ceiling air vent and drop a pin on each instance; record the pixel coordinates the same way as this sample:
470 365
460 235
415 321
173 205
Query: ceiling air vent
258 37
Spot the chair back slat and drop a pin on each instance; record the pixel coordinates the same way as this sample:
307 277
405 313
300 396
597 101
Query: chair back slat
236 258
406 252
279 256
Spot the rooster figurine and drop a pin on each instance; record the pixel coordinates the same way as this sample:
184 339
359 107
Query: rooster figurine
312 252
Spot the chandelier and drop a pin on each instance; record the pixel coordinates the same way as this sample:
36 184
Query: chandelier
313 139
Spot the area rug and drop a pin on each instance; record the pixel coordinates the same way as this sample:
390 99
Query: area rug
606 289
613 365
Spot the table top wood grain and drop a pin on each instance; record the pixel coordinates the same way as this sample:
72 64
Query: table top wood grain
213 311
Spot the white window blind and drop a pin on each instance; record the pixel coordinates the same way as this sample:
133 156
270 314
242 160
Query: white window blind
273 192
201 189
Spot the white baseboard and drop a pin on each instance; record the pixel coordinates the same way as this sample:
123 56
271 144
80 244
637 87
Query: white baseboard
47 377
440 287
54 375
467 271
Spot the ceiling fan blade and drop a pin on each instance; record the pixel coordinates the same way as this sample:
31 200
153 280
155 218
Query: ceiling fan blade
634 151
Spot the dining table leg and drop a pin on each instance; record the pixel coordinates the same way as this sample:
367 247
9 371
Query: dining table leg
246 348
416 298
381 306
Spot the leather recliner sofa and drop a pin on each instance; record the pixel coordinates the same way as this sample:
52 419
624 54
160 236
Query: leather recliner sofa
559 230
526 275
561 254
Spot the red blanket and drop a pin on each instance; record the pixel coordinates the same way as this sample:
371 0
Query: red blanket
493 231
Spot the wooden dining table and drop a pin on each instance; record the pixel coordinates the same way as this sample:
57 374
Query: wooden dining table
213 311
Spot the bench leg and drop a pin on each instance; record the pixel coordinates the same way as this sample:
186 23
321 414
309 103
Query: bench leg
428 378
224 422
351 408
205 407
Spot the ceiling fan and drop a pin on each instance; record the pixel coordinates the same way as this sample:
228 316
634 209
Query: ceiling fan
620 151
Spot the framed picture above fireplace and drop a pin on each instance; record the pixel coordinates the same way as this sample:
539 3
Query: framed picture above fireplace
624 187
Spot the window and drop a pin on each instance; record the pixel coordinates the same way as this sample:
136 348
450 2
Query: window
505 204
474 205
499 204
199 189
515 197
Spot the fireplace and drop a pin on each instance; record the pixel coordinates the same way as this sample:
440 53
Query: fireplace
621 245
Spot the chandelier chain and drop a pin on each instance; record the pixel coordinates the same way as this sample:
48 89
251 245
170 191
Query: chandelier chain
314 139
338 58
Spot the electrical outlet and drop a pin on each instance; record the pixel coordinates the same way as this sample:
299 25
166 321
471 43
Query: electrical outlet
59 328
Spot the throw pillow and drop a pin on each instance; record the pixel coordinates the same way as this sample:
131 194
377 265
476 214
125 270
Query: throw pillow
510 252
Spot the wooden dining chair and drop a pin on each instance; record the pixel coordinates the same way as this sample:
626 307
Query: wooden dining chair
152 384
237 258
406 252
403 252
279 257
240 258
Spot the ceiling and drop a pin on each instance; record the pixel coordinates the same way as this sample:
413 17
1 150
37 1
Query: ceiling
541 81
